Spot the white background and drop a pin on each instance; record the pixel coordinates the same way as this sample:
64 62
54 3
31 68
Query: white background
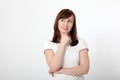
26 24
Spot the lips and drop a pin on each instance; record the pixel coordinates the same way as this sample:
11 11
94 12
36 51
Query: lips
65 29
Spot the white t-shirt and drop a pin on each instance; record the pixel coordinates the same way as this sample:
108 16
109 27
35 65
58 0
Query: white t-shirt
71 58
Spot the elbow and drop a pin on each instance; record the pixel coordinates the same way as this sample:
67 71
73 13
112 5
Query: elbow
54 68
86 71
83 71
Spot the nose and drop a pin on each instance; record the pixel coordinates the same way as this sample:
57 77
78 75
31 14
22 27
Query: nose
65 23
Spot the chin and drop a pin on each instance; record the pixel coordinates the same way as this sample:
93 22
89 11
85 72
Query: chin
64 32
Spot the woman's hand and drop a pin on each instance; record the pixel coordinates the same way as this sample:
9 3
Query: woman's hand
51 73
65 39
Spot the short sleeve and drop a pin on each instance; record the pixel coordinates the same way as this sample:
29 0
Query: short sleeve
82 44
47 45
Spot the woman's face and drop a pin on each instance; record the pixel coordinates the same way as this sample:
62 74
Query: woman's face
65 25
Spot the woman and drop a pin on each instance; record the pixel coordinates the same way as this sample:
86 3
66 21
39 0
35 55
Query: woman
66 54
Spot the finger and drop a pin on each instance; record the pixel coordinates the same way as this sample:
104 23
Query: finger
52 74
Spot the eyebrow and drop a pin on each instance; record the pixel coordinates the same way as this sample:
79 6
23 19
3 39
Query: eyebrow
67 18
70 19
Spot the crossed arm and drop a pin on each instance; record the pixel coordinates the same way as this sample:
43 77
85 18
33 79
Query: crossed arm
55 61
82 68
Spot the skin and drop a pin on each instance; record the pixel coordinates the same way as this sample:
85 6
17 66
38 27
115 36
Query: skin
55 61
65 25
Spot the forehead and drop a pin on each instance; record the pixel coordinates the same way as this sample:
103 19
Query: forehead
71 18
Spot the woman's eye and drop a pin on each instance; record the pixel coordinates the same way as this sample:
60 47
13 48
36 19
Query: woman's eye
70 21
62 20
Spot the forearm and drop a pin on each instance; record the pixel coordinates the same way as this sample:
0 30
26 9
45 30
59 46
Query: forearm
75 71
57 60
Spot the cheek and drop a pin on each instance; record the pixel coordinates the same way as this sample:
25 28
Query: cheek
70 27
59 27
59 24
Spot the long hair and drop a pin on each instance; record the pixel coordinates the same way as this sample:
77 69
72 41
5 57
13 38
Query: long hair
64 14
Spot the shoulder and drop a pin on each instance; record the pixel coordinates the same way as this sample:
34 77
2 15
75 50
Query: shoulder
49 43
82 43
81 40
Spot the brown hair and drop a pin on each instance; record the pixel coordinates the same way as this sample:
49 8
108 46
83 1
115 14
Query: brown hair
63 14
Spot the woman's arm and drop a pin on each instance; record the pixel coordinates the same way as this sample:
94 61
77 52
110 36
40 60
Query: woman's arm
55 61
83 68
